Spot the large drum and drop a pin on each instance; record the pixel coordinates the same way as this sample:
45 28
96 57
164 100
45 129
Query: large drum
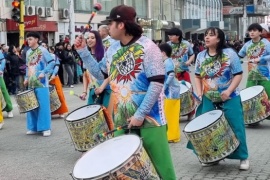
187 102
122 157
27 101
211 136
55 102
84 125
255 103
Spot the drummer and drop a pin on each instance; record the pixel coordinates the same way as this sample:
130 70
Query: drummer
257 51
1 113
55 81
218 73
136 72
39 64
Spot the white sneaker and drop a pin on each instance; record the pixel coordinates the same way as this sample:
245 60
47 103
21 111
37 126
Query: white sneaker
210 164
30 132
46 133
2 124
71 86
244 164
10 114
61 115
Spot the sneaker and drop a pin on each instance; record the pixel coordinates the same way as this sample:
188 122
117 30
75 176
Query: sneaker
244 164
9 114
210 164
46 133
71 86
61 115
1 125
30 132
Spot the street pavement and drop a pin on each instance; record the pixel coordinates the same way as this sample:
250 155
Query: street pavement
34 157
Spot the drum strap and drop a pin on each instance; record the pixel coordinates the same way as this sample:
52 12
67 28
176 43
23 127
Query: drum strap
218 105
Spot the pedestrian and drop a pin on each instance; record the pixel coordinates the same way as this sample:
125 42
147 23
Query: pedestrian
68 62
55 81
218 73
135 68
39 64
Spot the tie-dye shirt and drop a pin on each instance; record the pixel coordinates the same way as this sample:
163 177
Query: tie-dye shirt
38 61
180 55
260 50
131 70
107 42
217 74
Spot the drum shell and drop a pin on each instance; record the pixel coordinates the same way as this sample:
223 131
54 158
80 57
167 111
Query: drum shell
187 103
55 102
138 166
256 108
3 102
27 101
214 142
83 131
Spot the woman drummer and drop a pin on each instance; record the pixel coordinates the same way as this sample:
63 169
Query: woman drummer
218 73
55 80
100 91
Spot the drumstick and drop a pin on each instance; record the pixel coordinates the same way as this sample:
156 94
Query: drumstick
73 94
184 83
97 7
104 134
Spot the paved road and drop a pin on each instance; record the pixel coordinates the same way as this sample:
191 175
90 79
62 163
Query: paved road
24 157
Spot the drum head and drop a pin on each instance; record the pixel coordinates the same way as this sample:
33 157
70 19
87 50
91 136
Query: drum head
250 92
107 156
83 112
203 121
183 88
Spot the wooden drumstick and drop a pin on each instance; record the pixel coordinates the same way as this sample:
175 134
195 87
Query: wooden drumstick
184 83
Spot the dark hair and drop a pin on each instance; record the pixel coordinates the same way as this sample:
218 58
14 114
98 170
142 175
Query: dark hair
132 28
255 26
52 48
164 47
221 36
99 48
33 34
10 49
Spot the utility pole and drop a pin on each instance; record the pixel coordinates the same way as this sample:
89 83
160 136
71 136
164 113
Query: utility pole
244 19
21 23
71 29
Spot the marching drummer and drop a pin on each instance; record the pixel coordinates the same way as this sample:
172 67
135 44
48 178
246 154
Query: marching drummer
55 80
218 73
257 51
39 64
182 55
136 72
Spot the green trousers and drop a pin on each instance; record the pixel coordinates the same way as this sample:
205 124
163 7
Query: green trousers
233 112
156 145
8 107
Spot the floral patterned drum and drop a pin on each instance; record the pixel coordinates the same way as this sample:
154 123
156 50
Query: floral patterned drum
55 102
211 136
187 104
27 101
84 125
122 157
256 106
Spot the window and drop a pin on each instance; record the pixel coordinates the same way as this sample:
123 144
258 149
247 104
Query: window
107 5
83 5
63 4
43 3
140 6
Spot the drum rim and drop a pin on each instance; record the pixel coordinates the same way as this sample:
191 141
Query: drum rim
28 90
253 96
205 126
118 167
81 108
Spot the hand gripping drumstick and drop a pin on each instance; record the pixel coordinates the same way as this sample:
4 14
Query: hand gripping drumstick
97 7
184 83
